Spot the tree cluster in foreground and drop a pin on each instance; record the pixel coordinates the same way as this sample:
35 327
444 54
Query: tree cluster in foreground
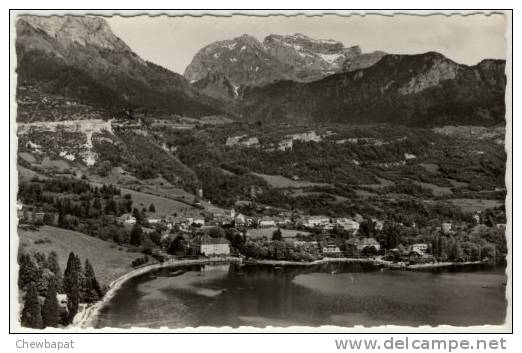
40 279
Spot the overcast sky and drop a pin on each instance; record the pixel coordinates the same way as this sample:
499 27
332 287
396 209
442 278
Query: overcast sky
173 41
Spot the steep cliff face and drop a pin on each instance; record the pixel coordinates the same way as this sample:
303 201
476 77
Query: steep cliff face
79 58
245 61
242 60
311 59
70 30
421 90
218 86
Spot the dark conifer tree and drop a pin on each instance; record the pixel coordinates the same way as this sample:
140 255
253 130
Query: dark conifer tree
92 290
71 284
136 235
97 204
81 279
50 309
111 207
178 246
277 235
28 271
31 313
54 267
136 213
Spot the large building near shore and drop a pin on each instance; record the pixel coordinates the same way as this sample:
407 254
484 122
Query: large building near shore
214 247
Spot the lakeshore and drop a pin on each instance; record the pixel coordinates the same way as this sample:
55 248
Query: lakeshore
344 294
87 317
374 261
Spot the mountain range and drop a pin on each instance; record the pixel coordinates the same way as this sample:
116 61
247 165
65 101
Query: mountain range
418 90
78 62
80 58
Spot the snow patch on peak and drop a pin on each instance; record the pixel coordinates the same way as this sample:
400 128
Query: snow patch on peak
331 58
230 45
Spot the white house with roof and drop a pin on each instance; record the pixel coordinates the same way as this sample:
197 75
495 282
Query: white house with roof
240 219
283 221
126 218
419 247
200 221
305 243
267 222
317 222
347 224
331 250
153 220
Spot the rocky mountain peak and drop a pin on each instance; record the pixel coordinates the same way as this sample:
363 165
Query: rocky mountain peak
78 57
80 30
249 40
311 58
245 61
325 46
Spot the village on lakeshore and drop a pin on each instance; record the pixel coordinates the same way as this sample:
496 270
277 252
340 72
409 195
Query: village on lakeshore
261 161
290 238
305 237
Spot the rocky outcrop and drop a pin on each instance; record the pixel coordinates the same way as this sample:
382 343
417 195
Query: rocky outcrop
218 86
435 68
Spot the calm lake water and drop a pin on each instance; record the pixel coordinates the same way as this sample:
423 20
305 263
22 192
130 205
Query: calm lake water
329 294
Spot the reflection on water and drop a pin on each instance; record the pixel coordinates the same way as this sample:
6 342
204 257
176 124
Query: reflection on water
329 294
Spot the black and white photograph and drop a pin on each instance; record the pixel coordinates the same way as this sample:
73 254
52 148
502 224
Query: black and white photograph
263 171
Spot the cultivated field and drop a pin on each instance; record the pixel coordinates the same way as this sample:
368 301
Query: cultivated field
382 183
475 205
430 167
279 181
436 189
301 192
164 206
